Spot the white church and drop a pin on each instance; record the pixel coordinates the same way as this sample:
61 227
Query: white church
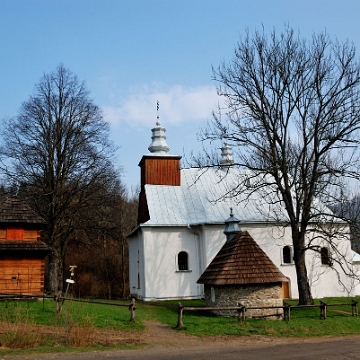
181 222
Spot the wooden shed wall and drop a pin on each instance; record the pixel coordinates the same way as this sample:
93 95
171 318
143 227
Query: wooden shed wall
28 234
22 276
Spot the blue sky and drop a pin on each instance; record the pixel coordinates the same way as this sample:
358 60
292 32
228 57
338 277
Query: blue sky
133 53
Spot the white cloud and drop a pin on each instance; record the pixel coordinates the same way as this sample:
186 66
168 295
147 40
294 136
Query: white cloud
178 104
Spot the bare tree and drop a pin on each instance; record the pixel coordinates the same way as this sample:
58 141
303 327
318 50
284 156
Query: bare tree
349 209
105 230
57 152
292 114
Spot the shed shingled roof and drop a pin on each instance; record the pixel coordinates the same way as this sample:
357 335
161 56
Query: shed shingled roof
20 245
241 261
14 210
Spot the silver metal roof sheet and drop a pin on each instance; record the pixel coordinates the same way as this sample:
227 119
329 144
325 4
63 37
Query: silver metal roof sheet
206 196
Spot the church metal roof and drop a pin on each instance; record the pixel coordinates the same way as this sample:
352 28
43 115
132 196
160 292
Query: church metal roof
205 197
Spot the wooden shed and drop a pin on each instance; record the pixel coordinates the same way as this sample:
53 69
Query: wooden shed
242 273
22 254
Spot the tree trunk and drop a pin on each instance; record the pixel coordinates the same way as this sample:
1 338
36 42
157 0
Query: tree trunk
305 297
50 274
54 281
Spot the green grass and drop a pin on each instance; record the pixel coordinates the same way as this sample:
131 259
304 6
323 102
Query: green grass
305 322
76 323
44 313
85 317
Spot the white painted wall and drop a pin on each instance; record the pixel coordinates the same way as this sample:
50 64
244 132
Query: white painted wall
153 254
162 279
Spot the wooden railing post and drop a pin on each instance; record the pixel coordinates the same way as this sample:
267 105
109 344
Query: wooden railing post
180 315
287 308
241 312
354 308
59 301
132 309
322 310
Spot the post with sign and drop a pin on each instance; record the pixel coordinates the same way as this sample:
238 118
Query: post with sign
60 300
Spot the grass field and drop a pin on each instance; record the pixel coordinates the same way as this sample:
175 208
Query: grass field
74 327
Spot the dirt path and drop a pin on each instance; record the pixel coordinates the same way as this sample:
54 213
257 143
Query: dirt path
159 341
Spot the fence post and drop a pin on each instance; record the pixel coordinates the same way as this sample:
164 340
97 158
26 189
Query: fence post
132 309
59 301
287 312
322 310
180 314
241 311
354 308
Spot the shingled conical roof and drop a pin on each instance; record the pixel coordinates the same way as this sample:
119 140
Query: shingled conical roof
241 261
14 210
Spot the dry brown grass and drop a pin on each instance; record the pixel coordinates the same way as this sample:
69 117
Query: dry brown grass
80 336
22 337
26 336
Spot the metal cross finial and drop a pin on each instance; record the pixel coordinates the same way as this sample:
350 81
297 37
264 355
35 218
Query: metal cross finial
158 117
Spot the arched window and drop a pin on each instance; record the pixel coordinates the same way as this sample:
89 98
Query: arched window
286 254
325 256
183 260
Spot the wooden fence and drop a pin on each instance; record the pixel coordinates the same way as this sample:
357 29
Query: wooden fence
241 309
60 301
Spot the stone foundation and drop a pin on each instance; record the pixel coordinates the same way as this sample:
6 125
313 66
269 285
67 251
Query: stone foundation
255 295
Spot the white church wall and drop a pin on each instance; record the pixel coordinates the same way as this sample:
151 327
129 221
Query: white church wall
272 240
136 264
158 260
355 281
333 279
325 281
164 280
213 240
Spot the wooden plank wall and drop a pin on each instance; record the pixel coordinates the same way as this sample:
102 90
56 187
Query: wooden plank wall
31 234
285 290
27 234
160 171
143 210
22 276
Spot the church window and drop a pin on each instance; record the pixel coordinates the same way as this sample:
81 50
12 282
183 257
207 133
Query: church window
325 256
183 261
287 255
